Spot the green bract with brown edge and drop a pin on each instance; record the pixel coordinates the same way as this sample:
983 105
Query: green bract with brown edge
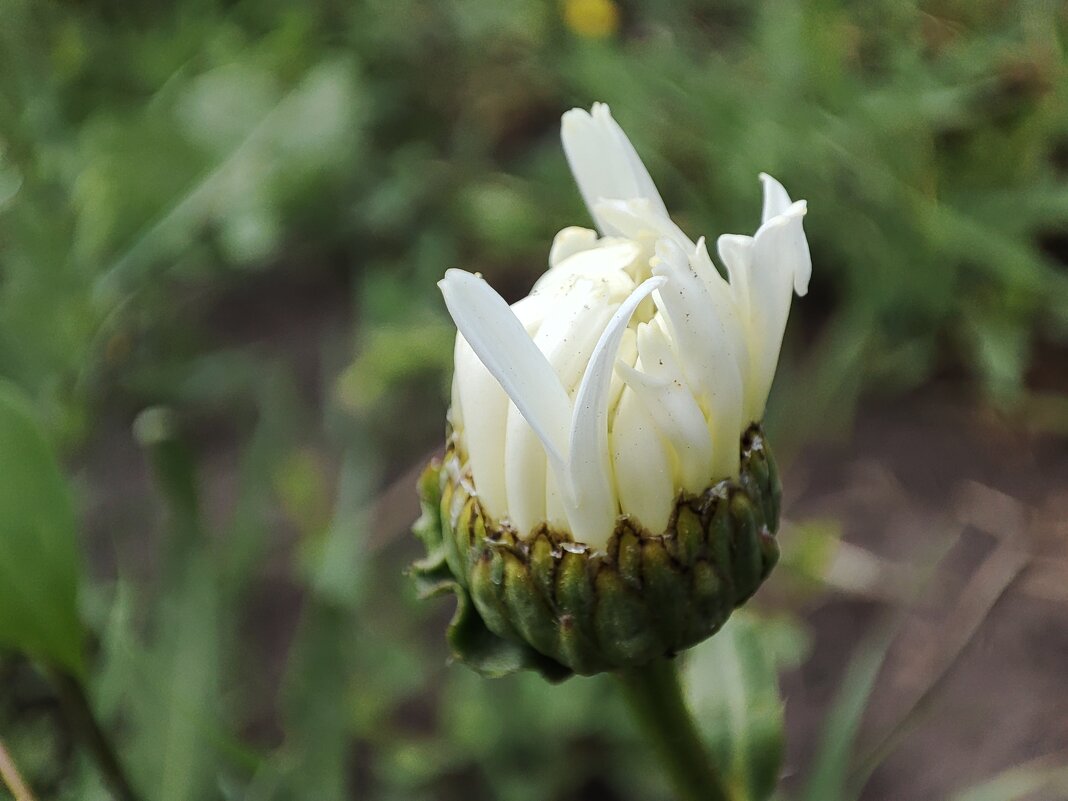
551 605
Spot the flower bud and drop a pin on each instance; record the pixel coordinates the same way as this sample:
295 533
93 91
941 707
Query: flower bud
607 496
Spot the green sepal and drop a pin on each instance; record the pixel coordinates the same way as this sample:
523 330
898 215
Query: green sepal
489 655
549 603
470 639
576 603
431 574
622 622
665 591
748 558
530 614
487 592
710 603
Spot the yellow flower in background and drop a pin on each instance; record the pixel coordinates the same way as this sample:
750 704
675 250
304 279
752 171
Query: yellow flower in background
593 19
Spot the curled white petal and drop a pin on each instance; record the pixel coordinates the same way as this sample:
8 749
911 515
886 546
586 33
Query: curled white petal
566 337
595 503
497 336
604 162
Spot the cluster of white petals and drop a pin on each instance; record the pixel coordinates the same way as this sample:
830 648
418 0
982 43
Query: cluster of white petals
633 368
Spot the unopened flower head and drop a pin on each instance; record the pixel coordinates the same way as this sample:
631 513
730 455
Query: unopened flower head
632 369
607 496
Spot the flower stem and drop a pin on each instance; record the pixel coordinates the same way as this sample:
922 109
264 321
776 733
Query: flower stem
655 697
87 728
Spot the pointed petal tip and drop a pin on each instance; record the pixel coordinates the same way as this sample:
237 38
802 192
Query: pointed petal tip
770 183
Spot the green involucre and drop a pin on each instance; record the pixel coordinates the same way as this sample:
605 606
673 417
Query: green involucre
550 604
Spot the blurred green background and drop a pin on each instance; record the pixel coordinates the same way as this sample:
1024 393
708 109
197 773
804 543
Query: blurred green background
221 224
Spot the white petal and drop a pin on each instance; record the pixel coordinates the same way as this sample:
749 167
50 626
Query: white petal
627 356
566 337
455 414
478 398
595 505
603 161
780 256
555 503
736 253
475 389
658 383
640 220
707 336
607 263
569 241
730 304
498 338
524 467
776 201
642 466
724 306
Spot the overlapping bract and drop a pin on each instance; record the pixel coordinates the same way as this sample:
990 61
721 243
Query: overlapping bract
633 367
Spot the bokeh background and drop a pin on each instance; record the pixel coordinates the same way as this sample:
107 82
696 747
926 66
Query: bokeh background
221 224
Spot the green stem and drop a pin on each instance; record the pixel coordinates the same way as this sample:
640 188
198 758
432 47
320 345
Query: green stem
82 720
655 698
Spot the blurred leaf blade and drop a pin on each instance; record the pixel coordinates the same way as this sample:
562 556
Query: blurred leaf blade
39 562
833 762
734 693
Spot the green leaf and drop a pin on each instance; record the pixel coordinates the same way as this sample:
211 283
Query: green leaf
39 570
733 690
828 780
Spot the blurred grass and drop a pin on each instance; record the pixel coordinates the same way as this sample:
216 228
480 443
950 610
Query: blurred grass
238 211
